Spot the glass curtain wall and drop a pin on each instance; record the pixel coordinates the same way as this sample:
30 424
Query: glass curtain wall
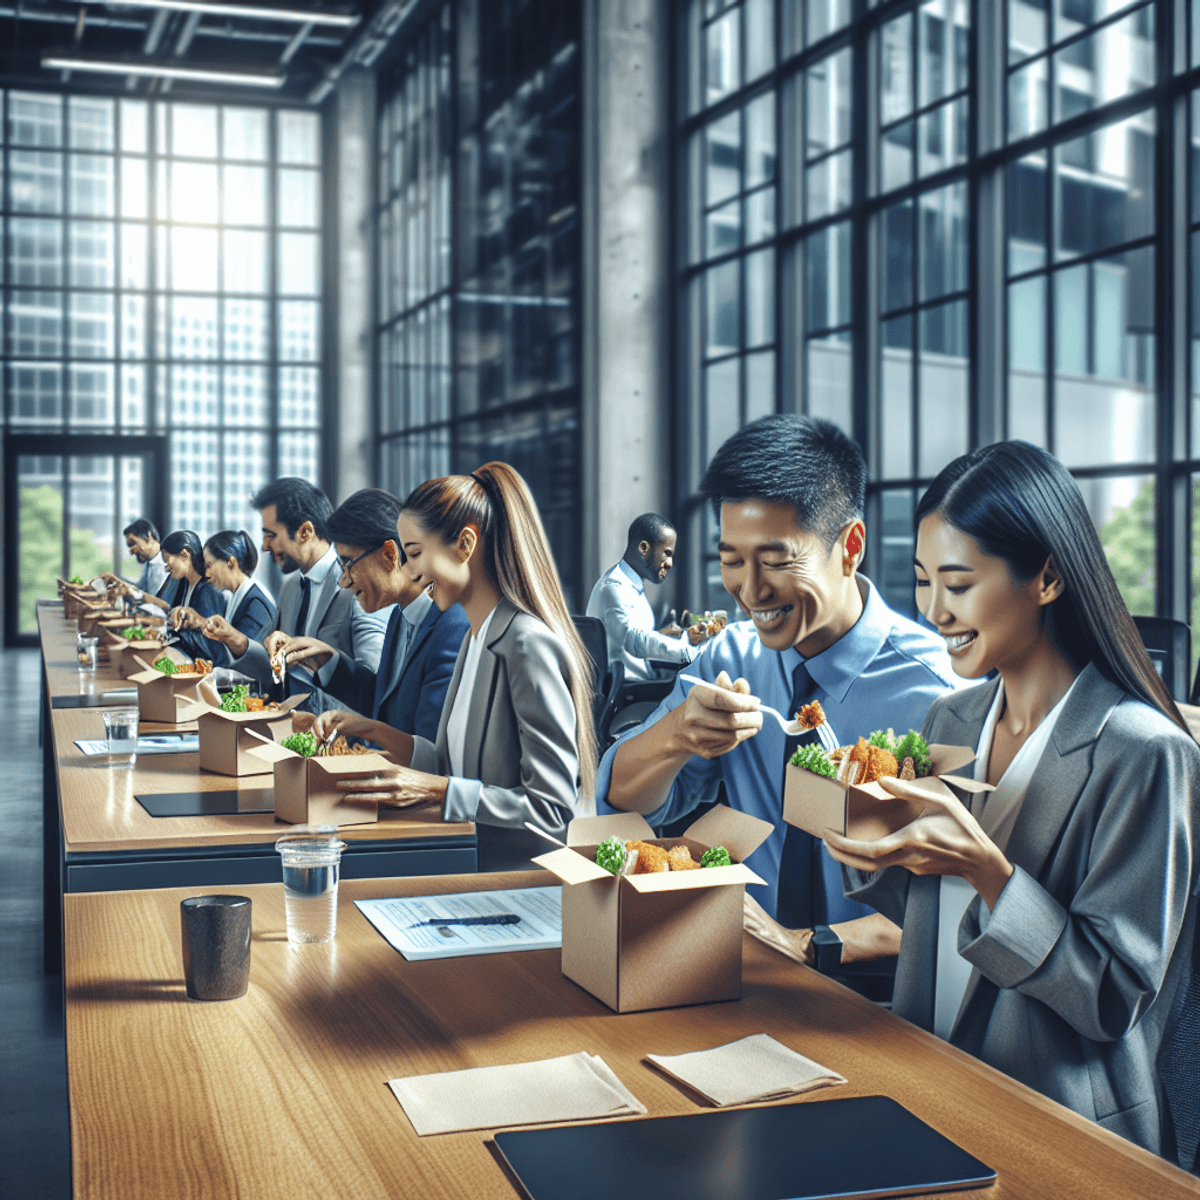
161 274
949 184
479 254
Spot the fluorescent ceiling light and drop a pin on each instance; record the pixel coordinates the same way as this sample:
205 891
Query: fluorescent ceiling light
257 12
174 70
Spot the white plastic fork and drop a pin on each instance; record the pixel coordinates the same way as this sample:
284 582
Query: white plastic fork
791 728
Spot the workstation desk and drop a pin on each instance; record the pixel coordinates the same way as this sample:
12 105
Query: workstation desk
281 1094
99 838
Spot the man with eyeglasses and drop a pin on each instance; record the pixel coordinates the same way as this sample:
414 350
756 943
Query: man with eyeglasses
422 642
295 517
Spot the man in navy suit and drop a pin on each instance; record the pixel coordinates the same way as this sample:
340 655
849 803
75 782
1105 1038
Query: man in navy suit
420 646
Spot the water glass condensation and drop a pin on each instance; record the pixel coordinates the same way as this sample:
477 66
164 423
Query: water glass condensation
121 730
310 882
87 650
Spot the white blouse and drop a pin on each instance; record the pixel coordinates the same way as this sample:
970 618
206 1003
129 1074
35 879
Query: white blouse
996 812
456 726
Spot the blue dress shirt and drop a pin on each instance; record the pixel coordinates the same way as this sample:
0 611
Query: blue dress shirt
884 673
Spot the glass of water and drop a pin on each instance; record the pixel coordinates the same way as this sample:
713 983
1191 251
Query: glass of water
311 862
121 730
88 650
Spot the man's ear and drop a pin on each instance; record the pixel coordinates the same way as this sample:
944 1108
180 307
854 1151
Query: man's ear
644 548
854 545
391 555
306 532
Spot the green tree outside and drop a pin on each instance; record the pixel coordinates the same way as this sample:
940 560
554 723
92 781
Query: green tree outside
40 541
1128 541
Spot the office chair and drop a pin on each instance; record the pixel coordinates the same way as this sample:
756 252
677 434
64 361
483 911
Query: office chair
1169 644
607 679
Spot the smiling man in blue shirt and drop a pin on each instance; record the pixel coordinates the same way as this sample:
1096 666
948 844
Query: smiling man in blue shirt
789 493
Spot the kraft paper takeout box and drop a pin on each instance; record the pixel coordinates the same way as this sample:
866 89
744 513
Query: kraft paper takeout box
172 699
90 618
866 812
655 941
226 738
306 788
122 653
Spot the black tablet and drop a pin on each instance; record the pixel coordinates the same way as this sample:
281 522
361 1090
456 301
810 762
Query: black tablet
816 1150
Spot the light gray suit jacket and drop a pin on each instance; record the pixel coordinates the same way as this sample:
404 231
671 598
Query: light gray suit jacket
1077 972
336 618
521 754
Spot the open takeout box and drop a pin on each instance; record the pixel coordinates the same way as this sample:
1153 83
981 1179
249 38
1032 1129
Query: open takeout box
123 653
306 789
172 699
91 617
655 941
866 812
227 738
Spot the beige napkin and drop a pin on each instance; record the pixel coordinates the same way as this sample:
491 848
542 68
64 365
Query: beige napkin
743 1072
575 1087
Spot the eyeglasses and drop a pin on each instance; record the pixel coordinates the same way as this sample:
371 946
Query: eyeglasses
347 563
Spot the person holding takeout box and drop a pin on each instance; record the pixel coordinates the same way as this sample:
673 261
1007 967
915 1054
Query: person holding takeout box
1049 925
789 493
515 742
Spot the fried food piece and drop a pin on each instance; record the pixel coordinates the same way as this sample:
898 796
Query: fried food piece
864 763
811 715
651 859
681 859
202 666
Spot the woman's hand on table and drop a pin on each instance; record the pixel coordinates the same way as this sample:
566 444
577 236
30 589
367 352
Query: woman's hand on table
944 840
305 652
397 787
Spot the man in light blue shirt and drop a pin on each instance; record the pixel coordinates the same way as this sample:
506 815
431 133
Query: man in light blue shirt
619 600
789 492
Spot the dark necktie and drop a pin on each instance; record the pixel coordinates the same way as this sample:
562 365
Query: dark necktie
799 865
305 598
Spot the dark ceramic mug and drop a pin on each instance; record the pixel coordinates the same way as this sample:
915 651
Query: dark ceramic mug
216 946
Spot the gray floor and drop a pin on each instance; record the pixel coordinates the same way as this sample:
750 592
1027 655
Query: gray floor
35 1159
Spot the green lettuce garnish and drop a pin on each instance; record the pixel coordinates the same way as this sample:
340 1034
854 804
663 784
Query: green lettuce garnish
135 633
76 580
610 855
301 743
716 856
166 666
234 701
813 758
913 745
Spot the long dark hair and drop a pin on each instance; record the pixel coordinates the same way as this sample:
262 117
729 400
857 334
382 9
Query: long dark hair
1019 503
236 544
516 555
184 541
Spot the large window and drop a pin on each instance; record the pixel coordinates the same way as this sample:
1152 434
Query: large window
162 273
973 234
479 254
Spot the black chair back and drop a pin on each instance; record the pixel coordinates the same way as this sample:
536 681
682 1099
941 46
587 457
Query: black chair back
1169 644
595 642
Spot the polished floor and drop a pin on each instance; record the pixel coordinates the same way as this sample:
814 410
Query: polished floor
35 1157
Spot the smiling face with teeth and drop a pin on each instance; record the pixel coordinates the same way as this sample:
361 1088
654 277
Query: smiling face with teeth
990 621
797 591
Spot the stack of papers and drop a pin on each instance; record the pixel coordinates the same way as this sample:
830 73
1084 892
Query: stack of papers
425 927
575 1087
754 1069
160 743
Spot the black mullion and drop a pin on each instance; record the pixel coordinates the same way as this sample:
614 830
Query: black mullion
273 294
779 308
925 110
1051 357
118 290
1054 47
220 298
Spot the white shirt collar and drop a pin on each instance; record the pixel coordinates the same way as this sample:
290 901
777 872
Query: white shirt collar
317 572
237 596
415 611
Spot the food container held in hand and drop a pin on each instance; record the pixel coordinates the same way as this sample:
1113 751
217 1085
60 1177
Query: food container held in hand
311 862
661 939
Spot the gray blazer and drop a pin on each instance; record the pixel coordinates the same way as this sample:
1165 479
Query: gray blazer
521 755
1076 974
336 618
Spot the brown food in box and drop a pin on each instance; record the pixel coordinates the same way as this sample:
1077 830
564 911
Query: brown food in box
866 812
657 940
227 738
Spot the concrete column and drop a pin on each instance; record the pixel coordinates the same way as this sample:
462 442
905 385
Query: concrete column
350 460
626 273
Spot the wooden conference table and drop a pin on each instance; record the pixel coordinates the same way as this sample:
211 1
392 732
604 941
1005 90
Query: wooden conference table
282 1092
99 838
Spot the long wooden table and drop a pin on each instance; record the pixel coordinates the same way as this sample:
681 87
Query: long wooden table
282 1093
99 838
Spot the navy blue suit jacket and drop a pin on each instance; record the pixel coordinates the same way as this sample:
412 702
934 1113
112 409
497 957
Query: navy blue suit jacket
208 602
414 703
255 616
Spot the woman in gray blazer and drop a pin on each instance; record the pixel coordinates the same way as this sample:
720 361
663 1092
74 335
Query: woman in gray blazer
1047 929
515 742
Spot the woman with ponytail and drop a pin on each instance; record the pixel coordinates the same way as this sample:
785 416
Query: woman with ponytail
188 595
231 558
515 743
1047 922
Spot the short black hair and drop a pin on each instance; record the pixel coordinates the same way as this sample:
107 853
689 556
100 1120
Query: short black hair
141 528
649 527
367 520
802 461
296 501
